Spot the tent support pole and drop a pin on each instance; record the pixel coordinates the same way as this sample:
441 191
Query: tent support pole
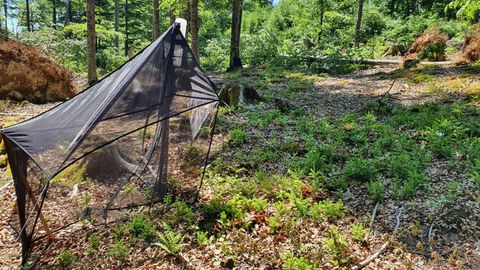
42 218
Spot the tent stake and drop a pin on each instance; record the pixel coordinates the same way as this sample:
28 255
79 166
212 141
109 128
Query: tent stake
42 219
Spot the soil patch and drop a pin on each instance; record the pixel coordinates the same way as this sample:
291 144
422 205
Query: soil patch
28 75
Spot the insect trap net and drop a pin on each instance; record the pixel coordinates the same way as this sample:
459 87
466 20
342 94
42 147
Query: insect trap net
114 145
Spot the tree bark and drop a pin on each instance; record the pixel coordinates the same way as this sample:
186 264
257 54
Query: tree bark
5 9
27 8
322 11
68 13
194 28
359 22
156 20
92 66
407 8
116 23
235 61
54 14
172 15
126 28
391 7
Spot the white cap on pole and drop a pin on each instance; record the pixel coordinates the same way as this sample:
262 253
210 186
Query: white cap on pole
183 25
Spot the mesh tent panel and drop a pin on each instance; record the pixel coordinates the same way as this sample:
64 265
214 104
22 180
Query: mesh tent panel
110 145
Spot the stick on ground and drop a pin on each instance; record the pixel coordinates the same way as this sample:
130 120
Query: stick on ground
381 249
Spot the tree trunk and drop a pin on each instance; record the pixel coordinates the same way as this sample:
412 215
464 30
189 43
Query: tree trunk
126 28
54 14
116 23
185 14
235 61
359 22
172 15
407 8
92 66
322 11
68 13
27 8
194 28
5 9
156 20
391 7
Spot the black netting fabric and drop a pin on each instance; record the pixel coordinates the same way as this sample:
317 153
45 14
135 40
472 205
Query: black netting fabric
115 144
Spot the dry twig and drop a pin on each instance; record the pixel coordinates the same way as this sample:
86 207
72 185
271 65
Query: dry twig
381 249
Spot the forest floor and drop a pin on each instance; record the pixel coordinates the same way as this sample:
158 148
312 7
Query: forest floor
294 186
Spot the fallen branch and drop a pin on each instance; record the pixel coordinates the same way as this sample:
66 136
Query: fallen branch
387 92
381 249
373 218
373 215
398 221
6 185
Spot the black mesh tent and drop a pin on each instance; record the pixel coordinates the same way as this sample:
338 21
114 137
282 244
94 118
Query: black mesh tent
149 121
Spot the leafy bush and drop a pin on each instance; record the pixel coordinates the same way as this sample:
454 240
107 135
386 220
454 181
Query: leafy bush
358 231
66 259
330 210
433 52
335 242
376 190
202 238
373 23
237 136
360 169
180 211
296 263
109 59
260 47
94 242
118 250
336 183
214 55
140 226
171 242
415 182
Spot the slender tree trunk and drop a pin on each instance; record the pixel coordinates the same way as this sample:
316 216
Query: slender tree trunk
126 28
194 28
68 13
407 9
156 20
322 11
5 10
116 23
185 14
27 7
359 22
235 61
172 15
92 66
391 7
54 14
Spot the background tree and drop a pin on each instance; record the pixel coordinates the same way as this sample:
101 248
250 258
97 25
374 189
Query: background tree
54 14
235 61
359 22
68 12
156 20
27 15
91 62
194 28
4 17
